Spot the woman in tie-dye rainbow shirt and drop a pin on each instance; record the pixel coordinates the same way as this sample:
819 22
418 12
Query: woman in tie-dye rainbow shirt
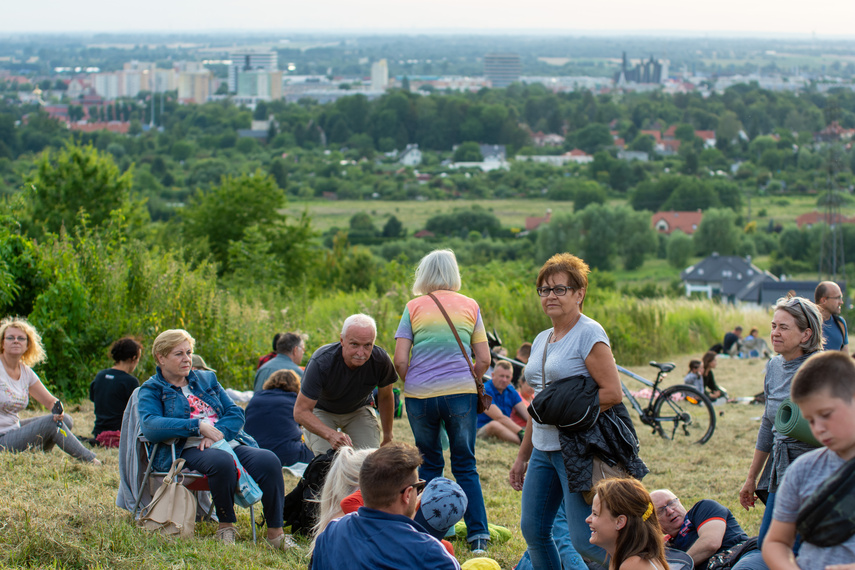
438 384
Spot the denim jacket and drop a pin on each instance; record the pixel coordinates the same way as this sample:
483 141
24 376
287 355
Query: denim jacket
165 413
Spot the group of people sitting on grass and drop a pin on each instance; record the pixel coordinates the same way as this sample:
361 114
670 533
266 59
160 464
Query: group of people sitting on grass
735 346
387 505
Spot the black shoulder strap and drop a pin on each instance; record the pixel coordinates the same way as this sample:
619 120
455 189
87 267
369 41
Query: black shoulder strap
839 322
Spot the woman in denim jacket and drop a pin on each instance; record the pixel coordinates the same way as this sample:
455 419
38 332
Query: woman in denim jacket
190 406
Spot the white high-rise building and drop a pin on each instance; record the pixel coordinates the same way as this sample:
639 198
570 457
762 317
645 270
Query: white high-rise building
379 75
249 61
106 85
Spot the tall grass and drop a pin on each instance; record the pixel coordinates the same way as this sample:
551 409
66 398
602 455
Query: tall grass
59 513
101 287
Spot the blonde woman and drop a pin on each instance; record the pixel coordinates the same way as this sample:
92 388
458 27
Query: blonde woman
191 406
342 481
21 348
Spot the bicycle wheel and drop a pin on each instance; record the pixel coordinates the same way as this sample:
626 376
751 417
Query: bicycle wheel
682 413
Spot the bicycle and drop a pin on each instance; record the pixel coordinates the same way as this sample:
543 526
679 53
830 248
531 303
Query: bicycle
680 409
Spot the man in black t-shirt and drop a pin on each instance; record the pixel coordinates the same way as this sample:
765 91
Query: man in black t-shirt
334 404
732 342
703 531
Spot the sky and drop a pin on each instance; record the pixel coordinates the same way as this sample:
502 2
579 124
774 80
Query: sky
820 18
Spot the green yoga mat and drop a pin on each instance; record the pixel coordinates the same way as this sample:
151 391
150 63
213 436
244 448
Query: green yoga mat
789 422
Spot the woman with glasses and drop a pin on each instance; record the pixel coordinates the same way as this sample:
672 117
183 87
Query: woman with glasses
438 383
22 348
550 475
796 335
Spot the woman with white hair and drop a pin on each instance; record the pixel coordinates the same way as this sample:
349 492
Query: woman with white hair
438 382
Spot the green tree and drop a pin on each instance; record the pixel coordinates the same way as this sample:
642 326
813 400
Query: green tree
77 179
393 228
685 132
468 152
461 222
679 249
717 233
636 239
588 193
593 137
728 127
222 214
562 233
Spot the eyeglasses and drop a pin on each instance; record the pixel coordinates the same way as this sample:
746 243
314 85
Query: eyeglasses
669 505
559 290
18 338
419 486
837 298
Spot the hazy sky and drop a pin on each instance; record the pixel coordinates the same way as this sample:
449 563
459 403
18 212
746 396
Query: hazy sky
743 17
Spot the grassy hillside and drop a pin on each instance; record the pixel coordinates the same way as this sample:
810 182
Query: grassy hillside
58 513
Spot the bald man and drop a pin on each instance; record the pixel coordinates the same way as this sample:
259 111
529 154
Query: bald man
705 530
829 299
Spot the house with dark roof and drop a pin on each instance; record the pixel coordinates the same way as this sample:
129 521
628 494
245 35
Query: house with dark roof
667 222
734 279
771 291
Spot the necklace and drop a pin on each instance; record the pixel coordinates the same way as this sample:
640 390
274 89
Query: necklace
556 335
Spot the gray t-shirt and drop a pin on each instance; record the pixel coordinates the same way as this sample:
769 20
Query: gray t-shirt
802 478
563 358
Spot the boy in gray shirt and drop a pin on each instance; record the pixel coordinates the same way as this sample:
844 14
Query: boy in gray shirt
824 389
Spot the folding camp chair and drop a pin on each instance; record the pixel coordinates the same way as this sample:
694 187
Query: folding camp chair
678 560
193 480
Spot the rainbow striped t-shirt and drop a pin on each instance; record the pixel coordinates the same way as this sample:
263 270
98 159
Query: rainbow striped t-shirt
437 367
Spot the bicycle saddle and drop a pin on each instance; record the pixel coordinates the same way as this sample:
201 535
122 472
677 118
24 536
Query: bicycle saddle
663 367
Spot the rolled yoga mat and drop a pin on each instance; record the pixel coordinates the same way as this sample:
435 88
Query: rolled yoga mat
789 422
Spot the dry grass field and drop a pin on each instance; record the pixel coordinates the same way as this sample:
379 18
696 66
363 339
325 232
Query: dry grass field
58 513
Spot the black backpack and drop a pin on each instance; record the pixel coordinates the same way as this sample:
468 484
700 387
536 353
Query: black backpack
301 504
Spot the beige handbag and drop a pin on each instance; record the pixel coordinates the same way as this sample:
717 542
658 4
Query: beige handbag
602 470
172 511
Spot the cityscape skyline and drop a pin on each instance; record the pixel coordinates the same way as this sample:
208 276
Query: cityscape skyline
827 18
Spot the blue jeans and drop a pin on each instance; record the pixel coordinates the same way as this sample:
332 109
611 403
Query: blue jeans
751 561
561 536
459 416
544 491
767 522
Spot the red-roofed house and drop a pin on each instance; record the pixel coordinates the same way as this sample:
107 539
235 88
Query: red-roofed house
813 218
532 223
657 136
112 126
667 222
671 133
708 138
668 148
579 156
57 111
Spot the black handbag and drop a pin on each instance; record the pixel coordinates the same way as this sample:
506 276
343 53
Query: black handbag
827 518
571 403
